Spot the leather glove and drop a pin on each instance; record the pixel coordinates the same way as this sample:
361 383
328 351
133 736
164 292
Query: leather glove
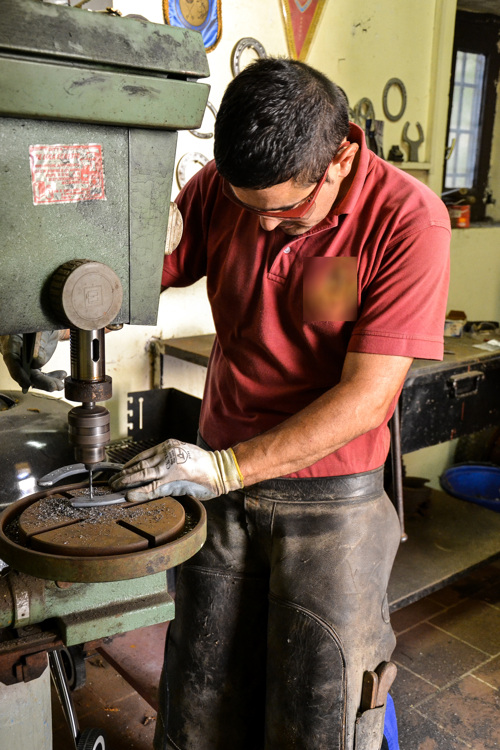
31 374
177 468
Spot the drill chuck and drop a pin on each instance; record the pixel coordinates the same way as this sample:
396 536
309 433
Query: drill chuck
89 433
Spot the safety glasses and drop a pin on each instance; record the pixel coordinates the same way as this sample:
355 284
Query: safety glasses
299 211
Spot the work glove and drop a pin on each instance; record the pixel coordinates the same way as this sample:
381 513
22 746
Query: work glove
27 374
177 468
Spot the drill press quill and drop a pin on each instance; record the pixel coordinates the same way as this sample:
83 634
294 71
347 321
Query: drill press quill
87 296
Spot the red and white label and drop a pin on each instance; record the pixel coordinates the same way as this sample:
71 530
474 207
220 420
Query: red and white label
67 173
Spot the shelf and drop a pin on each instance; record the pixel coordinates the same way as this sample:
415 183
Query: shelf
412 166
446 538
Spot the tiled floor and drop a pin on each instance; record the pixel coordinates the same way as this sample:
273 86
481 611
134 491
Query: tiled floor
447 693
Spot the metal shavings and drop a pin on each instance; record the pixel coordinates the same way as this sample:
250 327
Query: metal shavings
55 507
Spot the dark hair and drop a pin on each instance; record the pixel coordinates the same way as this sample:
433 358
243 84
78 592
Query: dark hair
278 120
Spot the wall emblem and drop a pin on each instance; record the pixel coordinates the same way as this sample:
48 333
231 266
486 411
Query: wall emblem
200 15
301 18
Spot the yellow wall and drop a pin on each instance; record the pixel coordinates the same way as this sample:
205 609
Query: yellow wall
360 44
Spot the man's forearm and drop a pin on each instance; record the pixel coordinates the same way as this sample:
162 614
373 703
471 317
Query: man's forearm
345 412
323 427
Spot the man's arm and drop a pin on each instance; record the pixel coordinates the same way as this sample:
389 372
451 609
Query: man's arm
359 403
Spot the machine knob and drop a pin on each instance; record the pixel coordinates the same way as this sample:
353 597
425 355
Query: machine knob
86 294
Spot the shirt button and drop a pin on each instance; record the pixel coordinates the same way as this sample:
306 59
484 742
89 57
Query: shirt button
287 250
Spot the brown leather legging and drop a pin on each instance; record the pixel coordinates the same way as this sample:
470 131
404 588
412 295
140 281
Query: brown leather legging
278 617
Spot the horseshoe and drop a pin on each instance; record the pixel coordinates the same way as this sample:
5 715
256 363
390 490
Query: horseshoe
190 157
199 133
390 83
243 44
363 111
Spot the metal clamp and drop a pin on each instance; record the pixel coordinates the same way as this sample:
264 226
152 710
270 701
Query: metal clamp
390 83
458 383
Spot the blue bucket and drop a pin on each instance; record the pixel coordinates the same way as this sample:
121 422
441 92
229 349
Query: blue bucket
475 482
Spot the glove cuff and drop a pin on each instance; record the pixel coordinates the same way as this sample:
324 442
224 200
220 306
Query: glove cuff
230 473
240 475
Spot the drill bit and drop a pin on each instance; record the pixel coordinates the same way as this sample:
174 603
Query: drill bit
91 486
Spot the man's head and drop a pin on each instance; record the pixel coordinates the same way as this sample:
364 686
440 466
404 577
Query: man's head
280 130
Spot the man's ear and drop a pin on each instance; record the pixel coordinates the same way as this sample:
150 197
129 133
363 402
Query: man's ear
345 158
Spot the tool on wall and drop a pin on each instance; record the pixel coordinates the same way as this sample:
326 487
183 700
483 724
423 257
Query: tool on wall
364 116
363 111
248 42
375 136
413 146
186 161
199 133
385 96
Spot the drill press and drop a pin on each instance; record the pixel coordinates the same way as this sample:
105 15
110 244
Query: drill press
90 106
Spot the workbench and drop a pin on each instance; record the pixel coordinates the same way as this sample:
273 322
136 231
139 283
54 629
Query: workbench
440 401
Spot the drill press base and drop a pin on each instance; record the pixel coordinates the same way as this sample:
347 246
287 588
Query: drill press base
44 536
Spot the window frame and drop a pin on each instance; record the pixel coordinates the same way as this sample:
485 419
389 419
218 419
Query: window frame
478 33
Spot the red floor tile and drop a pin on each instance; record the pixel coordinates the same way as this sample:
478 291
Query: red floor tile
469 710
414 614
418 733
474 622
409 690
490 673
434 655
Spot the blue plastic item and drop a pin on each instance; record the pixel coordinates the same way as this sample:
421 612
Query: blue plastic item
390 725
475 482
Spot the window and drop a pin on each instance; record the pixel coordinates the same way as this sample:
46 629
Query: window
476 64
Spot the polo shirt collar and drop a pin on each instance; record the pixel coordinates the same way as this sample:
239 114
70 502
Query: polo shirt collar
346 206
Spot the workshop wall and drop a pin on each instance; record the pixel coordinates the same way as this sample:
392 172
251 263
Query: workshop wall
360 44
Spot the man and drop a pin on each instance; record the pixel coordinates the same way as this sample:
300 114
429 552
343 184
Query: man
284 609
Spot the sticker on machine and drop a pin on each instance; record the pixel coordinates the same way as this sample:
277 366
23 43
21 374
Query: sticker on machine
67 173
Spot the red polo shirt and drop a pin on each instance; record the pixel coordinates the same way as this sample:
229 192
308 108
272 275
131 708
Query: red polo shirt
267 363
